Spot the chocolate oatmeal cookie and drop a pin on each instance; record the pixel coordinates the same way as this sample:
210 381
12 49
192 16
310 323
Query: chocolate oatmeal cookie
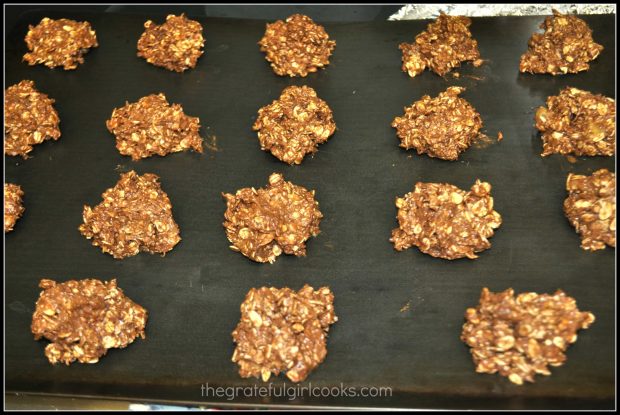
60 42
135 215
591 208
264 223
83 319
444 45
295 124
282 330
446 222
297 46
566 46
175 45
521 337
153 126
13 206
578 122
441 127
29 119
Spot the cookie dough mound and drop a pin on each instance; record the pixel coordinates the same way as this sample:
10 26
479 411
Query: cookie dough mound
297 46
83 319
520 337
282 330
295 124
263 223
60 42
591 208
446 222
135 215
153 126
13 206
444 45
175 45
442 127
578 122
566 46
29 119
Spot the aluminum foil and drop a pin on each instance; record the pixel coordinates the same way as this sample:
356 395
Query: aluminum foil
431 11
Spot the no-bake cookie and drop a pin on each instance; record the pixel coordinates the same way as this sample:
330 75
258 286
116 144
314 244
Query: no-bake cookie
135 215
262 224
591 208
521 337
61 42
282 330
295 124
29 119
83 319
446 222
175 45
153 126
441 127
578 122
444 45
296 46
13 206
566 46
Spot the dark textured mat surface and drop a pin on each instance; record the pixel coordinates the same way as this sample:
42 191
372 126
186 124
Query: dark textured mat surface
194 293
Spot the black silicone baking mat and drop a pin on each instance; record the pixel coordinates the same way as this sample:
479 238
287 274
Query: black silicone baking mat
400 314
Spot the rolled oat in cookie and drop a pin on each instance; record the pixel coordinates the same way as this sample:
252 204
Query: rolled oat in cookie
262 224
175 45
152 126
521 337
444 45
591 208
135 215
566 46
441 127
295 124
578 122
296 46
13 206
446 222
84 319
29 119
61 42
282 330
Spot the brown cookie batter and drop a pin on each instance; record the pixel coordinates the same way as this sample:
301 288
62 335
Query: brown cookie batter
444 45
60 42
566 46
446 222
578 122
29 119
13 206
264 223
521 337
297 46
441 127
282 330
152 126
135 215
83 319
591 208
175 45
295 124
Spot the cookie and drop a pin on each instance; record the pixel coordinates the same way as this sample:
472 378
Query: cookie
282 330
262 224
135 215
295 124
296 46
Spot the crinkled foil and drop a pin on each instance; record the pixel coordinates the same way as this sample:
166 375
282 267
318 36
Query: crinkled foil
431 11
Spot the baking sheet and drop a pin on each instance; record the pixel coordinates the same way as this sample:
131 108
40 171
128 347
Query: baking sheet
193 294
